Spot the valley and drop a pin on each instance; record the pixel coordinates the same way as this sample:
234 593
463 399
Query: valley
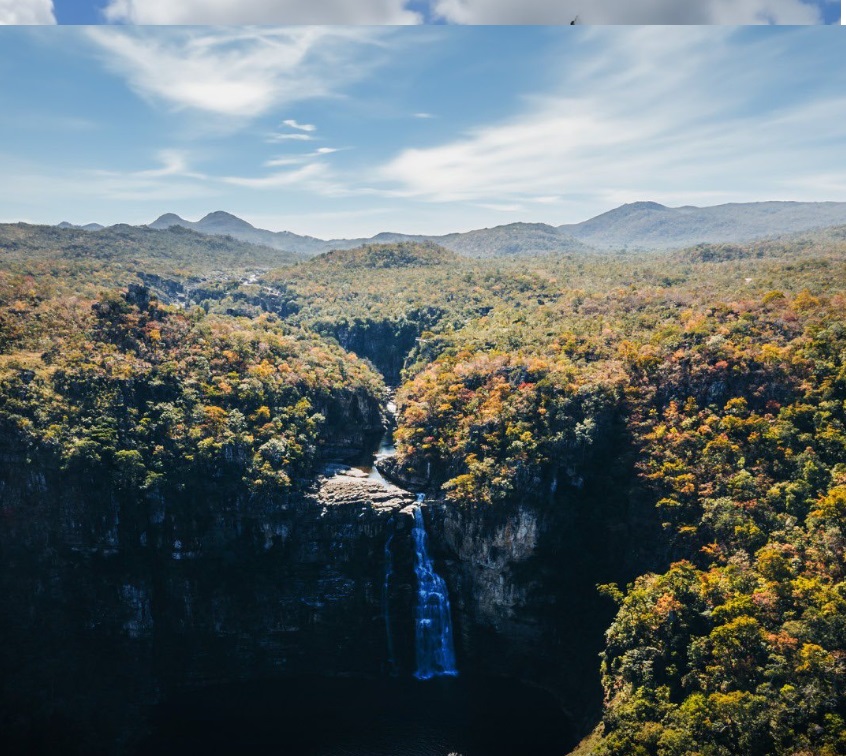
628 466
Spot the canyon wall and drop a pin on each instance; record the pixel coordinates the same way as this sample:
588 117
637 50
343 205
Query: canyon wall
115 603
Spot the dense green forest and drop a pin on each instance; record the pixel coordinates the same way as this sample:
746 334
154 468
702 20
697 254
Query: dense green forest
160 360
159 397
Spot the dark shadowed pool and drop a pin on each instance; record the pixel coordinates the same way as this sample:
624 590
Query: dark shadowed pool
325 717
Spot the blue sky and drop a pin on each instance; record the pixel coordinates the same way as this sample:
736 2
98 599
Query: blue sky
419 11
347 131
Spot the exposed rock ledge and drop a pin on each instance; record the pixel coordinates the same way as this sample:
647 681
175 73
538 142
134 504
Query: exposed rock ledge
340 485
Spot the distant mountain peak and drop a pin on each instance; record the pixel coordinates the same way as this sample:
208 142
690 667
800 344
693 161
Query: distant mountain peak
221 217
528 226
167 220
652 225
86 227
644 206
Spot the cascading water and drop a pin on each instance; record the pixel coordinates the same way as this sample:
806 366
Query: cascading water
433 623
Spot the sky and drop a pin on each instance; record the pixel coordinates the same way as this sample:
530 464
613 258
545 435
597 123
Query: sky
350 130
419 11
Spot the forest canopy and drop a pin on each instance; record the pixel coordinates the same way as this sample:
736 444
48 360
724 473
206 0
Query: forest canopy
720 368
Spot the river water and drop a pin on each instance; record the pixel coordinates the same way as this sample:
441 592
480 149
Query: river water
386 449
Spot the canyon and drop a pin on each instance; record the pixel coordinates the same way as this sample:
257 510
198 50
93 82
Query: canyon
114 609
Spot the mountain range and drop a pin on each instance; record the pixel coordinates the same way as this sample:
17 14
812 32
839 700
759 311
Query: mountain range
650 225
637 225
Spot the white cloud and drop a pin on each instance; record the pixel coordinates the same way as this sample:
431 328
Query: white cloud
173 163
26 12
307 173
175 174
464 11
299 159
237 72
171 179
644 115
273 138
291 123
39 187
423 115
284 161
628 11
232 12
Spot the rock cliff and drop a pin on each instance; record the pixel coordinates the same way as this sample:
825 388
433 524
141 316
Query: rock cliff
113 605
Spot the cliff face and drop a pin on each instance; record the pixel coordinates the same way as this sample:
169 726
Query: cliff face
386 343
111 605
354 424
523 579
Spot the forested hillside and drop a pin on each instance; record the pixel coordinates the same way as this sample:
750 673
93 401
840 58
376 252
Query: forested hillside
111 254
148 397
733 395
719 371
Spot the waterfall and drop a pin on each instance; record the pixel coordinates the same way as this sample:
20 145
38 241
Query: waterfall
389 571
433 624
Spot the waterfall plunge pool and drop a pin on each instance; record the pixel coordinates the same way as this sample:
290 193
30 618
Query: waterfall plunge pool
462 716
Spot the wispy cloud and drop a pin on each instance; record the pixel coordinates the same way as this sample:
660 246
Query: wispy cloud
644 114
464 11
231 12
400 12
173 163
26 12
273 138
302 176
300 159
278 162
172 178
696 116
238 72
628 11
174 170
292 124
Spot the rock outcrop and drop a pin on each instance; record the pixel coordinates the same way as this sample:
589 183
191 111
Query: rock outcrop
522 577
